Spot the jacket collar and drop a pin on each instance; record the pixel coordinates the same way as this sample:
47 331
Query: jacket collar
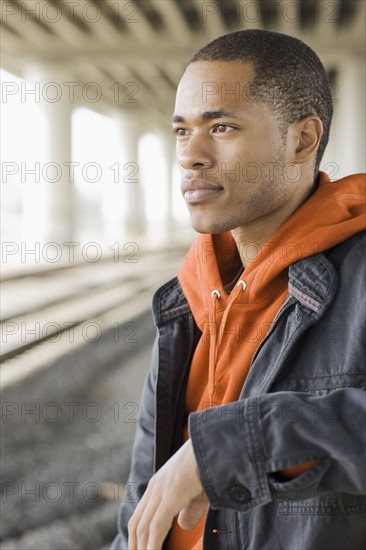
169 302
312 281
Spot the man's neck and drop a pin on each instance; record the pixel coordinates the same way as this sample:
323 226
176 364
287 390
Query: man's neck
250 238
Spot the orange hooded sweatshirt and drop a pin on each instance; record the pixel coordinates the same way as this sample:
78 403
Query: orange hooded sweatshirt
233 324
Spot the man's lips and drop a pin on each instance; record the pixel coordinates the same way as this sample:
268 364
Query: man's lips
195 190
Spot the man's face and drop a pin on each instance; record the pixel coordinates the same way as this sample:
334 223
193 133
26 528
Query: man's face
229 148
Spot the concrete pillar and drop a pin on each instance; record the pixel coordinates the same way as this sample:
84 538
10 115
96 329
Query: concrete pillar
55 188
168 144
135 212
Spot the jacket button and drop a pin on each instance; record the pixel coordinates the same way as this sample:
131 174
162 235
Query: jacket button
240 494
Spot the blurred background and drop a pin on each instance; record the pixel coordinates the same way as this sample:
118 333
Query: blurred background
92 223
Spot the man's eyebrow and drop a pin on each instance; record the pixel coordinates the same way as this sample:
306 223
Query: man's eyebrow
207 115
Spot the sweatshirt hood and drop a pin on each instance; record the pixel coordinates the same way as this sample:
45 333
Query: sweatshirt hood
332 214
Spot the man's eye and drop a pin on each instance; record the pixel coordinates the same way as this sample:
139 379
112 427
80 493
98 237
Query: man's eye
221 128
179 131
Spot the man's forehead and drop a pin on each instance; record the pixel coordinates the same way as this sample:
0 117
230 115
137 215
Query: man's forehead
211 73
199 69
213 86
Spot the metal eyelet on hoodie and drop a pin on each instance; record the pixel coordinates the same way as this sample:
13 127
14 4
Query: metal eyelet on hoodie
216 293
242 282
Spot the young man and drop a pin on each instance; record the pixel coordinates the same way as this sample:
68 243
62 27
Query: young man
250 432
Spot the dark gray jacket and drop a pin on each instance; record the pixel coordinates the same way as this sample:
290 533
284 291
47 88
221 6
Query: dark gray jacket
303 399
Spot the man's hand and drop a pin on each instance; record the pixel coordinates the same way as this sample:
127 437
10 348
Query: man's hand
174 489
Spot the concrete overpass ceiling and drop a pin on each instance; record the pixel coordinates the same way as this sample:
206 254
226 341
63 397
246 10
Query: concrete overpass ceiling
147 42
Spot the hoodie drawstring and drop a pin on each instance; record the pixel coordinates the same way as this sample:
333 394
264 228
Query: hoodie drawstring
215 340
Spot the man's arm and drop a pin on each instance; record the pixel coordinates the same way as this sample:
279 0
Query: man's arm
266 434
237 448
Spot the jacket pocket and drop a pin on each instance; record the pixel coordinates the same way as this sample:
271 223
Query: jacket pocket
334 504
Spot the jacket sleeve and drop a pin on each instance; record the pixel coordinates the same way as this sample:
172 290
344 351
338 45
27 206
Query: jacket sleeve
142 464
262 435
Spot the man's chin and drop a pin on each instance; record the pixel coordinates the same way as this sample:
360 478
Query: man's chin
208 227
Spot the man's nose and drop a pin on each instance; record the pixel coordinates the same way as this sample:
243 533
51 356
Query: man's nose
195 153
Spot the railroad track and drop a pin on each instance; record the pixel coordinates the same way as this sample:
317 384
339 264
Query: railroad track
67 434
54 313
98 370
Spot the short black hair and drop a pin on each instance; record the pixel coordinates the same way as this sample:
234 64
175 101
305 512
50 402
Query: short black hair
288 75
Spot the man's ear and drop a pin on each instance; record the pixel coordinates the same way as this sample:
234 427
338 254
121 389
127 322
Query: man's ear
307 134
